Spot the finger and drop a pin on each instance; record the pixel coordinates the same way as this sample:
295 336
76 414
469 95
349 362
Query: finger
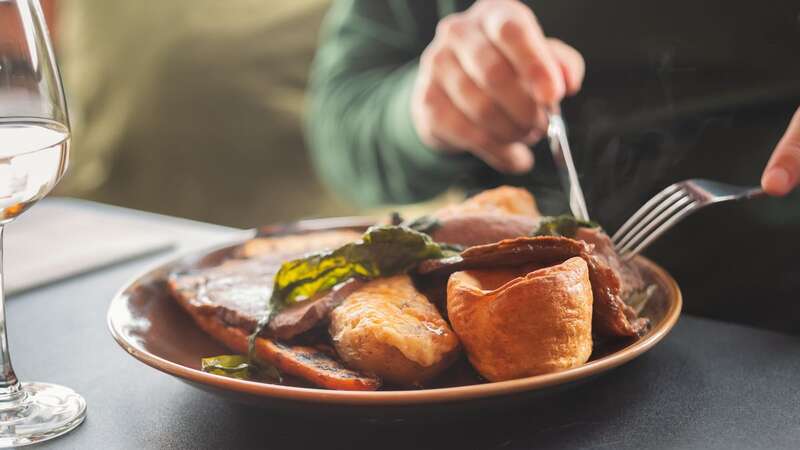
539 127
455 128
515 158
571 62
476 104
783 170
492 71
516 32
424 103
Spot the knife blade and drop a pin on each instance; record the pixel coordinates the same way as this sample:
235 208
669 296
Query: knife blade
562 155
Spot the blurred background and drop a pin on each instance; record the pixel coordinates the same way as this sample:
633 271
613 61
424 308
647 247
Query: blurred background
191 107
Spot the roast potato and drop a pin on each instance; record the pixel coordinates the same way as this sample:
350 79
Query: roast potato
388 329
514 324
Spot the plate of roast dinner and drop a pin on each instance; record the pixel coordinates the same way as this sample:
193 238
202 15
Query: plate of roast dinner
484 300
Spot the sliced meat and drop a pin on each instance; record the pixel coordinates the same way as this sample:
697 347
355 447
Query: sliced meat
389 329
493 215
476 228
611 316
237 291
631 279
227 301
503 200
303 316
309 363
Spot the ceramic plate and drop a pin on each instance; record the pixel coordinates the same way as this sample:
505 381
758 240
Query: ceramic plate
152 328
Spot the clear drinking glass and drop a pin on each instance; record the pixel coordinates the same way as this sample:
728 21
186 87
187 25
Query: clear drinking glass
34 148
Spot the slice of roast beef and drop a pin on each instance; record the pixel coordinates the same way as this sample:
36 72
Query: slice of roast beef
305 315
634 289
315 365
237 291
475 228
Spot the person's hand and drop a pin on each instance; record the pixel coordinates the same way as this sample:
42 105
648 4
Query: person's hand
484 82
783 169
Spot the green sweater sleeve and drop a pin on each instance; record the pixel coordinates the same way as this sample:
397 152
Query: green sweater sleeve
359 128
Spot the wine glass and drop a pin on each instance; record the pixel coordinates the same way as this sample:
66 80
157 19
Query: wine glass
34 146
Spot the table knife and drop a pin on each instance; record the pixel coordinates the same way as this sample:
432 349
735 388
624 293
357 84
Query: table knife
557 136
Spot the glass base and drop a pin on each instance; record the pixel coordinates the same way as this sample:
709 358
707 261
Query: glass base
38 412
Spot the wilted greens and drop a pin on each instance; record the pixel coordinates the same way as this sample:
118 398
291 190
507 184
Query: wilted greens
381 251
241 367
233 366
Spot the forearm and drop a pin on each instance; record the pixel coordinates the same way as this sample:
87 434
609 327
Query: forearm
364 144
359 123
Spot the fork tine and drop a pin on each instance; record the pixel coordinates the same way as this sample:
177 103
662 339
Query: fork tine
667 191
658 209
643 233
660 230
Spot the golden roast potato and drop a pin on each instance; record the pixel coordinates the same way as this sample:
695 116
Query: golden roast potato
387 328
514 322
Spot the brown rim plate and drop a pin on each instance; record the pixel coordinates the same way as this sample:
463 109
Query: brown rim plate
149 325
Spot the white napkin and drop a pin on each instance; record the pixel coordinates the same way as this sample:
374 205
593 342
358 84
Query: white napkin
59 239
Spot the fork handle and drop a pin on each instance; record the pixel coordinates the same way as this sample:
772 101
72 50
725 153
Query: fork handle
753 193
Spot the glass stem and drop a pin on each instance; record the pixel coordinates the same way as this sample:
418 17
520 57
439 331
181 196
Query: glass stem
9 385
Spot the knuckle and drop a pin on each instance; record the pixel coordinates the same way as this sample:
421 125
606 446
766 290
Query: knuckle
428 96
440 58
432 100
425 57
450 26
509 30
556 42
497 72
485 110
533 71
465 85
429 55
444 25
526 13
513 6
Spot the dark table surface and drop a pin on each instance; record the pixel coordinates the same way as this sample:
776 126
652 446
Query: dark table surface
707 385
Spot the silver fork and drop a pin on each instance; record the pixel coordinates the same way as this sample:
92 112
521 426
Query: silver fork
669 207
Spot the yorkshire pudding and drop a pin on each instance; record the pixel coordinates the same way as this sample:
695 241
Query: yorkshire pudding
612 317
514 325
